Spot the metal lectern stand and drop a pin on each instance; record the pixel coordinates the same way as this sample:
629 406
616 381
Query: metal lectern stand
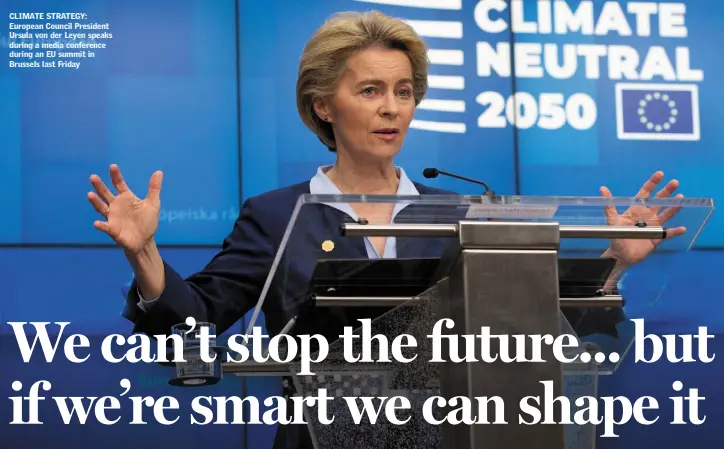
503 275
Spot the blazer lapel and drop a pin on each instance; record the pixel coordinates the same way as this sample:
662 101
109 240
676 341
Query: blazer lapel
323 234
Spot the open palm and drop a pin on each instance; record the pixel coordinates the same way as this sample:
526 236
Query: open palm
631 251
130 221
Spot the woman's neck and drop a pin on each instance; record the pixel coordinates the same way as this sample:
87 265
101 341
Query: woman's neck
356 177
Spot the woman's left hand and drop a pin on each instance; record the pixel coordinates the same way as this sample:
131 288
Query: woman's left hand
631 251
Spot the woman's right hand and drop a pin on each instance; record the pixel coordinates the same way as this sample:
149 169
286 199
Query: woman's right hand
130 221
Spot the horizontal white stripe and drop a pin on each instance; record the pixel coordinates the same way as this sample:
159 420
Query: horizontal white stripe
442 105
446 57
443 127
446 82
429 4
433 28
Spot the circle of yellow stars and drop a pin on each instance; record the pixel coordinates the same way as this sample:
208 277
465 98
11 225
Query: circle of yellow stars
658 127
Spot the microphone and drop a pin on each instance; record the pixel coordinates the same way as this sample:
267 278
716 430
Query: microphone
434 172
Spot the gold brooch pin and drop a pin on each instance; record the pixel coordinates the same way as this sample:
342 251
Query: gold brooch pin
327 246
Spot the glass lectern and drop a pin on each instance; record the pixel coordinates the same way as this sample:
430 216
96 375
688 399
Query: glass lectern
511 265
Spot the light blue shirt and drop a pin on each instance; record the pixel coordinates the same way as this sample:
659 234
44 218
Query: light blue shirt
320 184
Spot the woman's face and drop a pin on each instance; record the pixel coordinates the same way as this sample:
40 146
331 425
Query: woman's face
373 105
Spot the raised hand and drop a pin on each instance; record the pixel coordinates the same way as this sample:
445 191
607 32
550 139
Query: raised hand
631 251
129 221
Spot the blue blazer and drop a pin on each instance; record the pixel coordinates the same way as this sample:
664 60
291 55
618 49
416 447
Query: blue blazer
231 283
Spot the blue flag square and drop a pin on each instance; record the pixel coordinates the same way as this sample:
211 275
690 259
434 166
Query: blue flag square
657 112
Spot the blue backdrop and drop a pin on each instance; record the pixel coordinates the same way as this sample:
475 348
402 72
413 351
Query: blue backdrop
161 96
205 91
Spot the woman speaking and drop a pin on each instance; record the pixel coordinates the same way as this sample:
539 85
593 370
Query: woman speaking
360 78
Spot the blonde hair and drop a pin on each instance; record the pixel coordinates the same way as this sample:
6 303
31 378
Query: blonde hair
325 56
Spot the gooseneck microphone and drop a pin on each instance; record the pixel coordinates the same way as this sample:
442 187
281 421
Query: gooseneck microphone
434 172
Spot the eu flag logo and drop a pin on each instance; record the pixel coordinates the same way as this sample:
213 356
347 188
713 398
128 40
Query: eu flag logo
657 112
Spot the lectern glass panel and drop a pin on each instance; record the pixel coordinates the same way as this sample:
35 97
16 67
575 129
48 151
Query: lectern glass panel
346 243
